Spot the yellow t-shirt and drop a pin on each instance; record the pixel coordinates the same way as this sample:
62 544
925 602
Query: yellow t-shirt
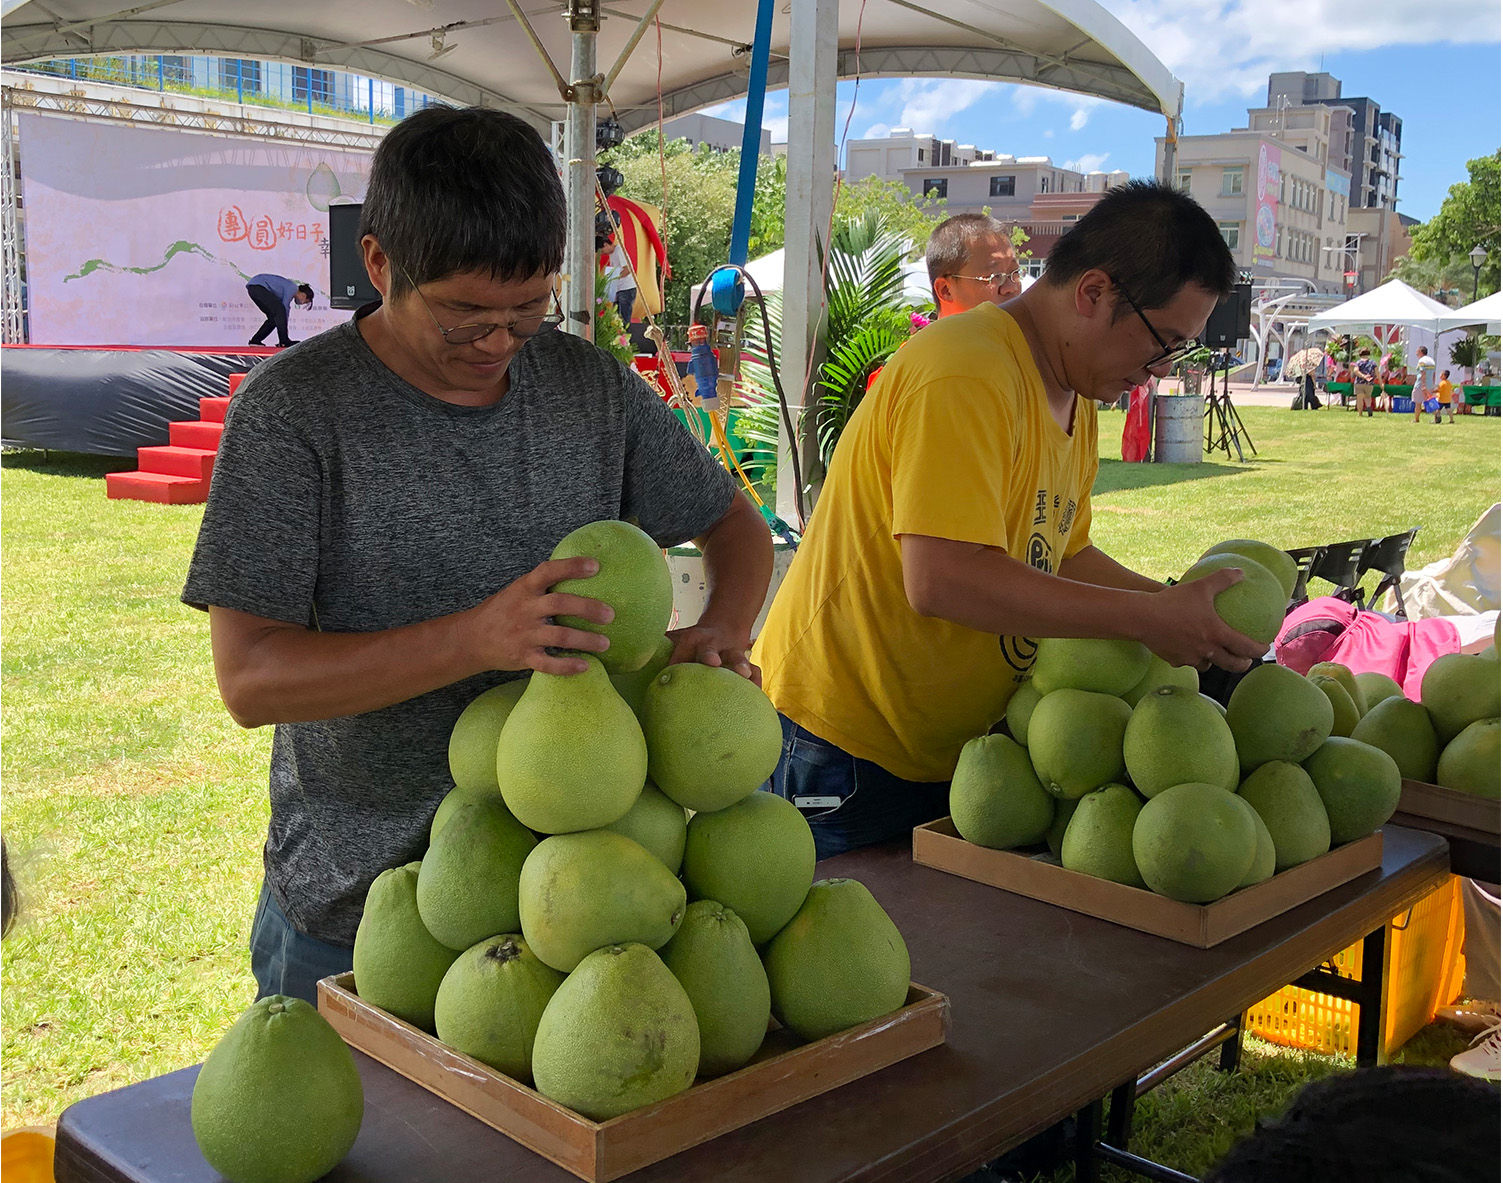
954 441
1444 391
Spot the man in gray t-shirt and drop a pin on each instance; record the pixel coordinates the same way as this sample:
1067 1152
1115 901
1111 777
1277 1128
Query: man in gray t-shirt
375 549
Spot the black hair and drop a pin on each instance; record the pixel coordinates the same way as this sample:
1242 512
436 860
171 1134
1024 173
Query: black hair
1150 238
952 241
304 289
1395 1124
9 904
464 189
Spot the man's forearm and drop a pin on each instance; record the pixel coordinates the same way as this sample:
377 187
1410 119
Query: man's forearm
1090 565
738 567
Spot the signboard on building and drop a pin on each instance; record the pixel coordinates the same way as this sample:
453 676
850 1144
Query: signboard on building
147 236
1266 196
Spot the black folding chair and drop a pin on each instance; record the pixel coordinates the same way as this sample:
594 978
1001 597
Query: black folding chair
1386 555
1304 558
1340 563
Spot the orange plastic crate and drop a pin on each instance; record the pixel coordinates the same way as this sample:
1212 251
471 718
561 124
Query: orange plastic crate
1425 971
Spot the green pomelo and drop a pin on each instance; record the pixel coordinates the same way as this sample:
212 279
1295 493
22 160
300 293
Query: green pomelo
1404 730
1161 673
995 796
1376 687
1275 714
472 743
1265 860
633 579
467 887
1285 798
1280 562
713 958
1020 710
1220 707
839 962
1254 606
1458 689
398 963
581 892
658 824
1470 761
1064 810
713 737
491 1001
1098 839
620 1033
1194 843
1088 663
1358 783
1344 713
455 798
278 1099
1348 680
756 858
1175 736
571 756
1075 741
632 687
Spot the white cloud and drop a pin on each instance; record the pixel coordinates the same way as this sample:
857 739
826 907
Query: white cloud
929 102
1225 48
1088 162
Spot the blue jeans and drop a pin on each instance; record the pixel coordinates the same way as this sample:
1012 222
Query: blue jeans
286 961
849 802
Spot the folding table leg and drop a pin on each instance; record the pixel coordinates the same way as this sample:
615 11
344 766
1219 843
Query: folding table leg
1087 1131
1371 995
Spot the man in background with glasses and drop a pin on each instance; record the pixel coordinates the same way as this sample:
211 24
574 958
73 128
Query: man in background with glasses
374 553
954 528
971 261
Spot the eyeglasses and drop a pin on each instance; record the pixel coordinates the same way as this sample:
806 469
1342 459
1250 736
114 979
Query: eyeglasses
998 280
520 329
1169 354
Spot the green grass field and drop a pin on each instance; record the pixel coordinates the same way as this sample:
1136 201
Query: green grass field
134 809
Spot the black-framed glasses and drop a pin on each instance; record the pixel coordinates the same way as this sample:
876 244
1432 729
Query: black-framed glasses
998 279
1168 354
520 328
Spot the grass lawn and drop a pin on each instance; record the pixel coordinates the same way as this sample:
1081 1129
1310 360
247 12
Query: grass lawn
134 809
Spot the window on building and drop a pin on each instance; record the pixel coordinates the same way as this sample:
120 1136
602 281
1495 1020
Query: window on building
921 156
240 74
1231 181
1043 182
1004 186
937 187
317 85
1231 232
1182 181
1278 249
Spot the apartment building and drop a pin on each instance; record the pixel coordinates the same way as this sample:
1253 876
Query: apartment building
1370 151
720 134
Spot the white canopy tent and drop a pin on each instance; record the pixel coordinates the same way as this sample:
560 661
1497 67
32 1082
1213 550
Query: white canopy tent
567 60
1393 304
1487 312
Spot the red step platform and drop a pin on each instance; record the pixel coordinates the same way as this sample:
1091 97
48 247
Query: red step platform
179 472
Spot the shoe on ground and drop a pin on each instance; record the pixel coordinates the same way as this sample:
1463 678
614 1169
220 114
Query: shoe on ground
1473 1014
1481 1059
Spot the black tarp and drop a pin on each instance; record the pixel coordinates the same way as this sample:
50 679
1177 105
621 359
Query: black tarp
106 402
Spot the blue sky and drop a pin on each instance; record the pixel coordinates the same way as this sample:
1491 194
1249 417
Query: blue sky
1401 55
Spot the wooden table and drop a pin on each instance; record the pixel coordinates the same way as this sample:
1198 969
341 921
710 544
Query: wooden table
1050 1010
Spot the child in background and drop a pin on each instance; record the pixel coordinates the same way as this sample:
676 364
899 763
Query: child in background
1446 393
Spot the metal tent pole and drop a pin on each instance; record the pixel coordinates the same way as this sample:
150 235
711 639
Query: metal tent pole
13 330
579 169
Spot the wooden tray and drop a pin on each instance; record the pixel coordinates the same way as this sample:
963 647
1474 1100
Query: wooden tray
783 1073
1420 799
1040 877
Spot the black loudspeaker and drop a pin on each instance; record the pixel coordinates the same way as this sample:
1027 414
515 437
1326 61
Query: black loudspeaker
349 285
1232 319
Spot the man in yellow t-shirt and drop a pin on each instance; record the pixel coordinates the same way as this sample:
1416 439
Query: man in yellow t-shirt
954 524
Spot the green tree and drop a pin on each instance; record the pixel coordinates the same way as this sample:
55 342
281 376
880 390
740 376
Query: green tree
1468 217
905 216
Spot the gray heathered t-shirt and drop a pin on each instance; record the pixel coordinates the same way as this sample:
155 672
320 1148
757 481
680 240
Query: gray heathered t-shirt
347 500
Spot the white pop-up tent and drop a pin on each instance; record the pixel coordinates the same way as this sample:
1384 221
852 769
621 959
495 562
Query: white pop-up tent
1487 312
1395 303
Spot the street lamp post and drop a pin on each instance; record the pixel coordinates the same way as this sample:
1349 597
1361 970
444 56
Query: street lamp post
1478 256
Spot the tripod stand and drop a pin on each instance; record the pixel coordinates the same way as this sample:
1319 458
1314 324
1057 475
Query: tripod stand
1224 427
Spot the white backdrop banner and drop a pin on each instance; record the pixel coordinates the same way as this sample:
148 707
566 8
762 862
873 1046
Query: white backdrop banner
140 236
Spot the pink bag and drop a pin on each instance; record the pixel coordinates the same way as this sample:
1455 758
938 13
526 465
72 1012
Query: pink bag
1328 629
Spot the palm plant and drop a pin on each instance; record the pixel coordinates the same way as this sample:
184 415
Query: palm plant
866 319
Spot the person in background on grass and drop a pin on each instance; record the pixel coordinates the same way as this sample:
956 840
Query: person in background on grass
954 526
1364 376
1424 383
375 549
1446 394
274 295
971 261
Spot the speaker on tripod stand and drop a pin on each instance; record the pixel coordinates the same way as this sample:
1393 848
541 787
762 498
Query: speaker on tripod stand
1230 322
